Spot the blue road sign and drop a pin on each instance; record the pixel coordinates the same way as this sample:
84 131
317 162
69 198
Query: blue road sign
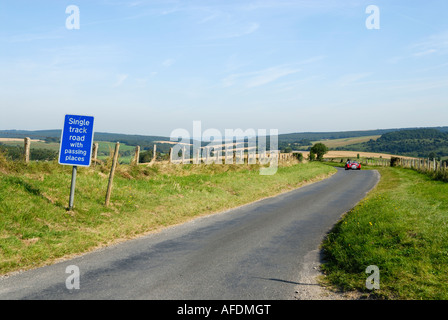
76 141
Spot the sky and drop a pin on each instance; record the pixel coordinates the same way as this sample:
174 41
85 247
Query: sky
151 66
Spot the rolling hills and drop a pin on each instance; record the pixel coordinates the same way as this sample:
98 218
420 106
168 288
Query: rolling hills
413 142
430 143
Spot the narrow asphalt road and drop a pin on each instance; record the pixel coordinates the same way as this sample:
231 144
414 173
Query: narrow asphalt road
253 252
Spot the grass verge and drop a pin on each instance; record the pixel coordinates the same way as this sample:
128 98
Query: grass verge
401 227
36 228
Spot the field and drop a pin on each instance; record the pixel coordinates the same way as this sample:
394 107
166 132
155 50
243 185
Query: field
334 143
16 140
353 155
36 144
36 228
401 228
106 149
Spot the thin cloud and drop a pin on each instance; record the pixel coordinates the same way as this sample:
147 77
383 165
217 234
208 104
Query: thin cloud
352 78
33 37
121 78
434 43
270 75
259 78
168 62
243 31
425 53
246 31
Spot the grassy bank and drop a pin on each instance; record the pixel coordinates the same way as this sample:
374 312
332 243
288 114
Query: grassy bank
402 228
36 228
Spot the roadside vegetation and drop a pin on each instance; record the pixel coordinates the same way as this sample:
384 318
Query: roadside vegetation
401 227
37 229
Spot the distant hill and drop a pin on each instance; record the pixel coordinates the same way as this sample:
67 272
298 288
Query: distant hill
291 140
417 142
286 142
145 142
293 137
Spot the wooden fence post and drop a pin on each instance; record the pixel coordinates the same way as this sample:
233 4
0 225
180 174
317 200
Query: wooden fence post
94 153
137 155
112 173
154 154
26 155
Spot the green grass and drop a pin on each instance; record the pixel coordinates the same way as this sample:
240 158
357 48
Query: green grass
105 149
37 229
401 227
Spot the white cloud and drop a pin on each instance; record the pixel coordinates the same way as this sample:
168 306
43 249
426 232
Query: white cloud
351 78
239 31
259 78
168 62
270 75
121 78
246 31
424 53
434 43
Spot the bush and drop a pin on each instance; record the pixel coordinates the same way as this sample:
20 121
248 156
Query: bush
146 156
312 156
16 153
299 156
3 161
394 161
319 149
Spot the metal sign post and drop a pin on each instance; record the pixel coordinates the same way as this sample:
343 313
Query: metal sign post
72 188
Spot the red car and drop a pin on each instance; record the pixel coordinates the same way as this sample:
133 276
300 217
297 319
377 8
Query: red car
352 165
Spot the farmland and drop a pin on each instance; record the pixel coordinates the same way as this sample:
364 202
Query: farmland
334 143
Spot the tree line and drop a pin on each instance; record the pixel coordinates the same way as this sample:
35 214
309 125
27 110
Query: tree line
422 143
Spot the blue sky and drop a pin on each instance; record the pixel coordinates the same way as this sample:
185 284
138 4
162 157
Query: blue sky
149 67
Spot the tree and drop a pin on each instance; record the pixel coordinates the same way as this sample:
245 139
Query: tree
312 156
319 149
432 156
299 156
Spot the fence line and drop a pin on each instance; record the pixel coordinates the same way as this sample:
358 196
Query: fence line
236 156
246 155
424 165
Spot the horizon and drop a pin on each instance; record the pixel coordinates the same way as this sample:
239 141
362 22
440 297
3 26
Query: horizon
287 133
148 67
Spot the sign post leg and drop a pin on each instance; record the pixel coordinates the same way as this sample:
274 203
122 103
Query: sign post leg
72 188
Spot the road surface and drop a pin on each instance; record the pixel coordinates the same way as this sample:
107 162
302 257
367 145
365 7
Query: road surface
256 251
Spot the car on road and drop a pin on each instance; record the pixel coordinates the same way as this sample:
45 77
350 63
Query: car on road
352 165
